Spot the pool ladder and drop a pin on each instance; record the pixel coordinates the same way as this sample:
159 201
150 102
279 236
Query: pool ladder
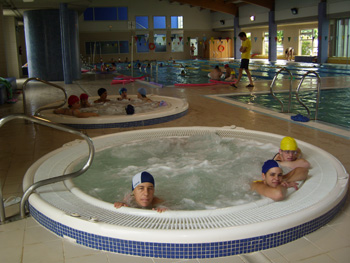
297 91
24 87
34 186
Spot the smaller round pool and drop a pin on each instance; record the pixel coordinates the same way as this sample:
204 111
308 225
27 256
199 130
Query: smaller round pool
174 108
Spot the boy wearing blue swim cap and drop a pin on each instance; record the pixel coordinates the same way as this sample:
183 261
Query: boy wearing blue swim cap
142 194
273 185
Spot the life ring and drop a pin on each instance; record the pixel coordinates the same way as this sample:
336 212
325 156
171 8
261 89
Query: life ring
221 48
151 46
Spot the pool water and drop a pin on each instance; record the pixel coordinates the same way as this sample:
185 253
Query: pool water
334 106
197 70
191 173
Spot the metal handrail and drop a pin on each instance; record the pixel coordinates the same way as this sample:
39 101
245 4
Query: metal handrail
290 89
43 108
50 124
317 95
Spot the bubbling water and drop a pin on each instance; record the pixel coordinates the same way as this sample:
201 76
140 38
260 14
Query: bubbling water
191 173
116 107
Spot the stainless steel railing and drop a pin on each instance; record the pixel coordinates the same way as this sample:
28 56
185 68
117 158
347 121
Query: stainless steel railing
290 89
34 186
317 94
42 108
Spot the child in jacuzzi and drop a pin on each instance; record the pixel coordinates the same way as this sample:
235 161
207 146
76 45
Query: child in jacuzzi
142 195
142 95
274 184
84 100
102 92
123 94
73 109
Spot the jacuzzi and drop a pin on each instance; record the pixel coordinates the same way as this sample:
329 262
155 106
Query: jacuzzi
174 109
68 212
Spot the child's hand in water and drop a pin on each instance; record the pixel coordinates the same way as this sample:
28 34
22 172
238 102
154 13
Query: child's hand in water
160 209
119 204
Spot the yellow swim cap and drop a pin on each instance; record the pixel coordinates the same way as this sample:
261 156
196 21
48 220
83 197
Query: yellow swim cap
288 144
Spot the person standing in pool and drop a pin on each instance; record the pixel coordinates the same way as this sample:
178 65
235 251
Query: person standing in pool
274 184
289 158
216 73
142 95
245 49
143 188
102 92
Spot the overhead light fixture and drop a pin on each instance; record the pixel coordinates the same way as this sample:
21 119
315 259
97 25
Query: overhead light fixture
294 11
252 18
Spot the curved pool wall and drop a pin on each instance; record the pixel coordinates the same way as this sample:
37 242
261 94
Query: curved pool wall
69 213
175 108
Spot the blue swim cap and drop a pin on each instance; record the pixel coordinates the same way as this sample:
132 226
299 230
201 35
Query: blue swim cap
143 177
101 91
142 91
122 90
268 165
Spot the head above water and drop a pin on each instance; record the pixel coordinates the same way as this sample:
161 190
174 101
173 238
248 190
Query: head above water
143 177
72 99
288 144
84 96
142 91
122 90
268 165
101 91
129 109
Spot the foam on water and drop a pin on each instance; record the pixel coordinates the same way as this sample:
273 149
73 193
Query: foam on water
198 172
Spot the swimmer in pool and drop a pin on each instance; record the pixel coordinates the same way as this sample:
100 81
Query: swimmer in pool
216 73
273 184
73 109
102 92
289 158
84 100
123 94
142 95
142 195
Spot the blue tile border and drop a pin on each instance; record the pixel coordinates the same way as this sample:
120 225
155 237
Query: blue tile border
146 122
186 250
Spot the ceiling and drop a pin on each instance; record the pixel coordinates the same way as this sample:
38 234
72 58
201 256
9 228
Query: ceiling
17 7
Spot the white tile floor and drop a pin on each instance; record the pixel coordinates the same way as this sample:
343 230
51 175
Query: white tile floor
21 144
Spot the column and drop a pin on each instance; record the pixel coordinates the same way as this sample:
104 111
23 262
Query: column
236 40
272 37
323 30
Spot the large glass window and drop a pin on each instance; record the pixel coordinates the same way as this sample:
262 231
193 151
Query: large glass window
106 13
106 47
280 38
177 22
160 42
266 43
309 42
159 22
177 44
142 43
124 46
141 22
342 43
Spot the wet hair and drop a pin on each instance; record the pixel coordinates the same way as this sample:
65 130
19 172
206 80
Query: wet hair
101 91
130 110
242 34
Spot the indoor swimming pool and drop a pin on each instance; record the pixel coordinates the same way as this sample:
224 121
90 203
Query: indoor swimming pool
333 107
168 73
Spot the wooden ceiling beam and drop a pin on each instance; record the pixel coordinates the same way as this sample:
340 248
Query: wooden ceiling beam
269 4
218 5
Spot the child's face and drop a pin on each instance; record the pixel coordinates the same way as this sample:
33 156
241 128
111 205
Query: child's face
76 105
104 95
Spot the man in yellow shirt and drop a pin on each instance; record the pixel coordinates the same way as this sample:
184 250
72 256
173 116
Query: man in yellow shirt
245 49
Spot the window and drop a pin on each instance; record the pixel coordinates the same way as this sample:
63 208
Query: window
142 43
106 47
177 44
309 42
159 22
141 22
160 42
280 38
266 43
106 13
124 46
177 22
342 43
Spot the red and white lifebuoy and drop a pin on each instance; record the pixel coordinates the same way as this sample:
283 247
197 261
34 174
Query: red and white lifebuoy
221 48
151 46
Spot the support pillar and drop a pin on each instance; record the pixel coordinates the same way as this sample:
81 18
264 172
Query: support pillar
323 31
272 37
